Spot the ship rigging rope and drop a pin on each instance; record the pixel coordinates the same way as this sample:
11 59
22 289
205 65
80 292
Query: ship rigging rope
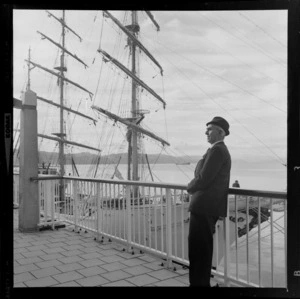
101 32
156 161
167 152
165 117
220 77
254 234
234 56
263 30
276 225
190 81
104 127
258 48
242 243
210 97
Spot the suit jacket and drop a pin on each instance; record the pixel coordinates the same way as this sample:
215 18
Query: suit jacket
210 185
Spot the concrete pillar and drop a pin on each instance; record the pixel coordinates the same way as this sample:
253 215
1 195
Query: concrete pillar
29 205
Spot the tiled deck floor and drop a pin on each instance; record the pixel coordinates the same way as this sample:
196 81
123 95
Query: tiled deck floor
65 258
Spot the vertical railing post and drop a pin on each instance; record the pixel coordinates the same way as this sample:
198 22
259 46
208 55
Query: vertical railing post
52 201
75 206
98 199
128 210
226 239
46 201
169 227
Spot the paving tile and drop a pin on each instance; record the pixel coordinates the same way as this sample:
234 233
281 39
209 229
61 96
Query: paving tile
17 256
33 253
72 252
74 242
142 280
182 271
183 278
69 267
57 244
73 237
41 282
67 276
25 268
111 258
70 259
170 283
37 247
126 255
30 237
113 266
91 262
91 271
45 272
46 264
68 284
133 262
86 244
73 247
148 258
29 260
153 266
20 250
23 277
163 274
137 270
116 275
109 252
107 246
119 283
91 255
21 245
25 240
53 250
91 249
20 285
53 256
57 240
92 281
40 242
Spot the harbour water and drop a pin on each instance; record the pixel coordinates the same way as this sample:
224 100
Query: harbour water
256 179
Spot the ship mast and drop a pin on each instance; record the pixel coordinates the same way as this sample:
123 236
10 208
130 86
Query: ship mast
133 143
61 135
62 69
133 123
29 69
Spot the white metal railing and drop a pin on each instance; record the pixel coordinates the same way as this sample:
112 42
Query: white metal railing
249 244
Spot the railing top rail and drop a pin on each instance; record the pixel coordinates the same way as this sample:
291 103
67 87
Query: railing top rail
232 191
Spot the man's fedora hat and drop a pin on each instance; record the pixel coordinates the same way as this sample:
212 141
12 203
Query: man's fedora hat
220 122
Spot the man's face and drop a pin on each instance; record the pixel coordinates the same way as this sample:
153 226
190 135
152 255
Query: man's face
213 134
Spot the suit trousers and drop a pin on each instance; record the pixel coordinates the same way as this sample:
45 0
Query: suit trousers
200 248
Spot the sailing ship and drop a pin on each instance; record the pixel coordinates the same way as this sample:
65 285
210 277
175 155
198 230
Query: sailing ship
108 109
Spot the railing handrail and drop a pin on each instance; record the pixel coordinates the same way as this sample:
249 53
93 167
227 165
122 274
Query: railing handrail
232 191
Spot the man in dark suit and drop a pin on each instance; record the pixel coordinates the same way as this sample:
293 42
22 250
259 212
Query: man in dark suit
209 189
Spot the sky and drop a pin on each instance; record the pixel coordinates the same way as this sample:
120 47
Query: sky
216 63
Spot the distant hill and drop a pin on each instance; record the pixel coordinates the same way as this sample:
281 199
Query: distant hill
88 158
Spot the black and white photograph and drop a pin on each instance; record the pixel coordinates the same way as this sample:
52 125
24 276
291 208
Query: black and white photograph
149 148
